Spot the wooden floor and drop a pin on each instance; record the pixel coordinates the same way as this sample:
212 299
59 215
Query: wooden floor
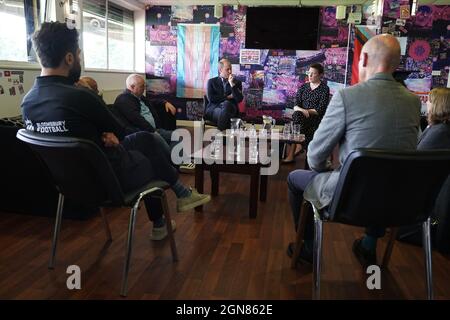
223 255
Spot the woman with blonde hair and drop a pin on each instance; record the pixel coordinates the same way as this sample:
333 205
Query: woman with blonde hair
438 106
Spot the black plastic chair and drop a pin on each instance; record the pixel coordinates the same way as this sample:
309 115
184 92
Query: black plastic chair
381 188
82 173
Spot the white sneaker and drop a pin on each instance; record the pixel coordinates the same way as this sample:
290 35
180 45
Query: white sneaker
187 168
161 232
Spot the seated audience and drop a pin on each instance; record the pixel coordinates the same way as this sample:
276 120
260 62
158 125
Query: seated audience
88 83
435 136
366 115
91 84
55 106
310 105
140 112
224 94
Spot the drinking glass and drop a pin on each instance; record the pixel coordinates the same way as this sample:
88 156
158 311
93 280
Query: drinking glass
296 131
287 130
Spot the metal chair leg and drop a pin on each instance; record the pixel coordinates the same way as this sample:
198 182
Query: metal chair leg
426 242
166 211
283 152
317 258
390 246
131 226
106 224
300 233
57 228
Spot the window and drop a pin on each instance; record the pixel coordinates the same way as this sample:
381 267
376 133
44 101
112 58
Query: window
17 23
108 36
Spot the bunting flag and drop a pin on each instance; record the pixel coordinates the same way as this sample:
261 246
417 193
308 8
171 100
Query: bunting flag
197 58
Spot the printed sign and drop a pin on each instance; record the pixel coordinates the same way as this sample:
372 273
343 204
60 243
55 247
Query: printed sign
250 56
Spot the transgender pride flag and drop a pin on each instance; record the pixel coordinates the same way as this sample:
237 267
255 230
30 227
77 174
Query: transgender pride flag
197 58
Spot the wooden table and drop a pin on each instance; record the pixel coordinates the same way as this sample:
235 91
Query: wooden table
205 161
231 163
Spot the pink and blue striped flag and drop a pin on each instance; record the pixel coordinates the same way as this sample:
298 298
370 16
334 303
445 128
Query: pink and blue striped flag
197 58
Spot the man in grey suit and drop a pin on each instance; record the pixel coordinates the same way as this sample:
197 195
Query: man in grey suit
376 113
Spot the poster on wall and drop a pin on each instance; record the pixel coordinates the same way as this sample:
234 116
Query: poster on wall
229 48
182 13
333 32
160 86
194 110
160 61
204 14
420 87
250 56
274 97
162 35
236 19
158 15
197 58
423 18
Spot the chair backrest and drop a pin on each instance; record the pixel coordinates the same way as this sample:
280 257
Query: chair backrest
78 167
388 188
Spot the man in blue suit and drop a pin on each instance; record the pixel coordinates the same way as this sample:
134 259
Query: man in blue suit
224 94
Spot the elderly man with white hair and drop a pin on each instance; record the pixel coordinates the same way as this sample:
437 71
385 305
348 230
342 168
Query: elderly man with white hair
138 111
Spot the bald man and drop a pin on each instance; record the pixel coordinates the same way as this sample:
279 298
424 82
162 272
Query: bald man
378 112
224 94
144 114
89 83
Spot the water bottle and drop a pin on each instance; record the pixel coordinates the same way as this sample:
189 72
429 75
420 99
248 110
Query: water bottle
216 146
253 145
252 132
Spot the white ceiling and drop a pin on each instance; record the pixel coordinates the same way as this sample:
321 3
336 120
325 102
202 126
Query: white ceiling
276 2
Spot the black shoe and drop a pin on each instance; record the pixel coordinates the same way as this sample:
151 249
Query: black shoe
366 257
305 255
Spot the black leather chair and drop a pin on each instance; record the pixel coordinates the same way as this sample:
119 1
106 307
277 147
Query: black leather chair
384 189
82 173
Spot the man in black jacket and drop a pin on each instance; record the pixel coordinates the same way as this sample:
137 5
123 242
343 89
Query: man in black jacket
144 114
55 106
224 94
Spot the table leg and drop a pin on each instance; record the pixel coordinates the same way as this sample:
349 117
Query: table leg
214 173
254 184
263 188
199 180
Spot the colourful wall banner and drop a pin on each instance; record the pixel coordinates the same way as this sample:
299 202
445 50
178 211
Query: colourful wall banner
197 58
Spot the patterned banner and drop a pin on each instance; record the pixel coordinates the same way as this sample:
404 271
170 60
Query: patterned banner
197 59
